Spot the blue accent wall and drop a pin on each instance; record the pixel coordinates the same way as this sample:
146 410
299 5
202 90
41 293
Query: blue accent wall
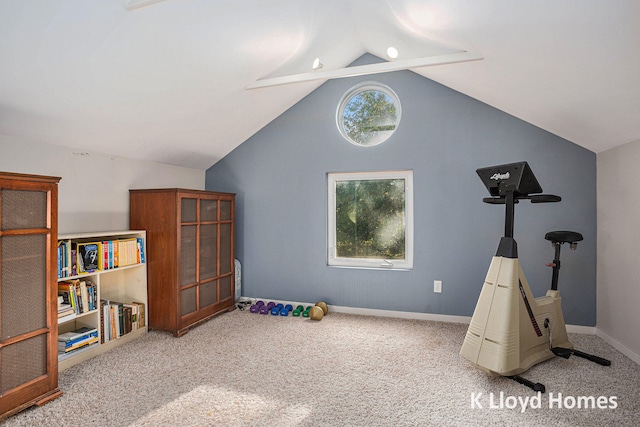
279 176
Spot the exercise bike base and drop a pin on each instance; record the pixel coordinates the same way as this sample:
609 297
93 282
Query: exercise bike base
567 352
533 386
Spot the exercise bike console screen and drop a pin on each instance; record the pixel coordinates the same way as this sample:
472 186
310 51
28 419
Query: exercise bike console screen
516 177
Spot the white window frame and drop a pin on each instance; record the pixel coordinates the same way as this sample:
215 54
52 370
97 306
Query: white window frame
375 263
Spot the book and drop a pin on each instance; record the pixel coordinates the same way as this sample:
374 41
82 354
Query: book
141 255
77 343
67 290
78 333
126 319
63 355
89 256
141 314
65 260
65 310
133 316
84 294
104 320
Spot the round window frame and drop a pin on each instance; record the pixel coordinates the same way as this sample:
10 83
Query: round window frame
355 91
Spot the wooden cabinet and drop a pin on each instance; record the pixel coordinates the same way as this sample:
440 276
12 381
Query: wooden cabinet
28 291
190 254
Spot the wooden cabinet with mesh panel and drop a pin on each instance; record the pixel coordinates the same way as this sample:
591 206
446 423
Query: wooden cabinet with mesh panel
28 291
190 254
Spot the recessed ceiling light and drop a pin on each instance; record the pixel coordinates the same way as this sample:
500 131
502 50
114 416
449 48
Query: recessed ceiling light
317 65
392 52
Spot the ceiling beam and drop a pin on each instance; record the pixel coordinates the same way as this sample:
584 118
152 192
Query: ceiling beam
137 4
361 70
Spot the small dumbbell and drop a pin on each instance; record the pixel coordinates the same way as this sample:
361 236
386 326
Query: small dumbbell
305 313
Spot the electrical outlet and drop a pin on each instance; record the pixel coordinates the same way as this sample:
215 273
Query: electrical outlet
437 286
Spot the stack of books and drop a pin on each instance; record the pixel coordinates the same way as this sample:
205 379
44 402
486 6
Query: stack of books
73 342
65 311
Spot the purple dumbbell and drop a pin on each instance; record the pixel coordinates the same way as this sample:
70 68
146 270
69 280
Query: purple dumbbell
264 309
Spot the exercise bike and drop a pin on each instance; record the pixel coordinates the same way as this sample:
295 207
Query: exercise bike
510 330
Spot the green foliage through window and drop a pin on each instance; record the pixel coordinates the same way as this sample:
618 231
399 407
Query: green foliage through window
370 219
368 114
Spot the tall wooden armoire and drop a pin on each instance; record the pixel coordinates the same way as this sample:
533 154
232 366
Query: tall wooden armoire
190 254
28 291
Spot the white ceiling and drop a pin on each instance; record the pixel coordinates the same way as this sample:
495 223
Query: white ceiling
168 82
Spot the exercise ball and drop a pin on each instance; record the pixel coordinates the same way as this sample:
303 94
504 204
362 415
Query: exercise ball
316 313
323 305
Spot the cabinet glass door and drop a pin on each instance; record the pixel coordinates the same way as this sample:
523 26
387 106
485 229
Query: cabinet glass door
25 291
188 252
225 249
208 251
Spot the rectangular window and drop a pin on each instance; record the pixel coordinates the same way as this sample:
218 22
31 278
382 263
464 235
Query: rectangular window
370 219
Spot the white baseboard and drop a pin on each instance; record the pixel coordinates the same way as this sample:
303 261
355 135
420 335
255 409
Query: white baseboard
379 313
401 314
577 329
619 346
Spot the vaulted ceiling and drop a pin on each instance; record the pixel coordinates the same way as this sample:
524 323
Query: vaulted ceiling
168 82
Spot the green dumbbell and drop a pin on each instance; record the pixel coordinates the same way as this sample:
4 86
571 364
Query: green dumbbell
305 313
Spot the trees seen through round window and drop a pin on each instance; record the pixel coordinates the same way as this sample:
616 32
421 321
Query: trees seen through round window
368 114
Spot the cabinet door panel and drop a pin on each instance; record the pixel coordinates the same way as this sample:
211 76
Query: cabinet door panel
188 209
208 210
208 251
225 249
188 301
225 288
226 212
22 362
208 293
24 284
24 209
188 255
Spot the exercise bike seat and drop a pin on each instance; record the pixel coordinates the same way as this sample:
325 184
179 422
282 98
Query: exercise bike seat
563 236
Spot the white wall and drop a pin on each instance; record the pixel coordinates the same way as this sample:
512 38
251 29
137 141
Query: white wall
618 291
94 190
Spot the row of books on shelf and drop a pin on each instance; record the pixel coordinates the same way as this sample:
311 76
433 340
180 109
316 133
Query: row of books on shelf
76 297
75 258
118 319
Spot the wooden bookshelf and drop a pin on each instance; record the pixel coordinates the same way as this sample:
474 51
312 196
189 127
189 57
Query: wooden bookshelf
113 282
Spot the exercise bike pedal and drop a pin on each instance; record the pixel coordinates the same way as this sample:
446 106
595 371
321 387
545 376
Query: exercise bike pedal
562 352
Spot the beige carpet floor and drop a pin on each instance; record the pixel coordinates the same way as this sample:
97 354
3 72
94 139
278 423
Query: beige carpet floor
244 369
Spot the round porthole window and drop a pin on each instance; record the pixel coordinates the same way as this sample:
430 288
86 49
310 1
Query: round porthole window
368 114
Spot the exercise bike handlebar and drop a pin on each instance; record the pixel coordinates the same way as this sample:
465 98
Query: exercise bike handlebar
537 198
509 183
